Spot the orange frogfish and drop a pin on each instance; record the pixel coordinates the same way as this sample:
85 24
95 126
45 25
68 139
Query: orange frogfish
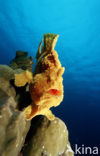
46 82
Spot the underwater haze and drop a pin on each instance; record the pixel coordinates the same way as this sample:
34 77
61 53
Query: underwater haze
22 25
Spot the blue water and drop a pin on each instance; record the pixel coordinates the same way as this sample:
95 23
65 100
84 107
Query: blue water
22 25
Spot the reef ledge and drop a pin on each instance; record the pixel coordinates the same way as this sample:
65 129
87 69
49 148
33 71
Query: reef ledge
27 125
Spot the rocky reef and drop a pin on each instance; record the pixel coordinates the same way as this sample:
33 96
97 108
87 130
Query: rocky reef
42 134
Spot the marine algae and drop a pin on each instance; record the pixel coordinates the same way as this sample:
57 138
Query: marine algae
46 82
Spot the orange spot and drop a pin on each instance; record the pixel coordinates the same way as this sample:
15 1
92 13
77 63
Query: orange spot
55 92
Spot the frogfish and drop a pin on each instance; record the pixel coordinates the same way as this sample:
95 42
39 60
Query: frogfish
46 82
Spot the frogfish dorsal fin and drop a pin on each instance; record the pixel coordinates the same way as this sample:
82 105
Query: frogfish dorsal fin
50 41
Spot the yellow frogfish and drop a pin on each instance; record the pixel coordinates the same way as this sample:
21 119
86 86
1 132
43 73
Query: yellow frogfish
46 82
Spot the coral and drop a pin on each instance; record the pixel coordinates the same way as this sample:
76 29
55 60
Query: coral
6 74
44 135
13 127
22 61
50 139
46 86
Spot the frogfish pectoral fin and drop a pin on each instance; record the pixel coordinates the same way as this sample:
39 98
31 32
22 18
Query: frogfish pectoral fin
31 112
23 78
49 114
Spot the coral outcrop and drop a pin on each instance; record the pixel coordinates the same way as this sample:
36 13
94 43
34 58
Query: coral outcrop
21 61
13 125
50 139
41 90
6 74
13 128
